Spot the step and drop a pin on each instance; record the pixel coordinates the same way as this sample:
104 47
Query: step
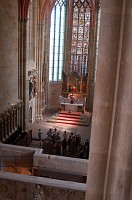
70 113
68 122
67 119
69 116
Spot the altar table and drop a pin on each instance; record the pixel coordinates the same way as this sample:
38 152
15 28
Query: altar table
72 107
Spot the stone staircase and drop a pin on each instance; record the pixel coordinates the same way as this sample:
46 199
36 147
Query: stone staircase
72 118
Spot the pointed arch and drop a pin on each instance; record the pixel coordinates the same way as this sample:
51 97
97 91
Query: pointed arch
52 4
43 9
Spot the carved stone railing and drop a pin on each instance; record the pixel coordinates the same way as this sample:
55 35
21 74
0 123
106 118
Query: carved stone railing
10 119
38 187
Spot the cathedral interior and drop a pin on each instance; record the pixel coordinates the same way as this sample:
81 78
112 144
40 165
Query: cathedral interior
73 58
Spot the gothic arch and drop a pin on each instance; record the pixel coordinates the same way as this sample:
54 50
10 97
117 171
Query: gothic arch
44 6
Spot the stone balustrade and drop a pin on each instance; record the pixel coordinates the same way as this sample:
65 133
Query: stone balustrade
35 187
10 119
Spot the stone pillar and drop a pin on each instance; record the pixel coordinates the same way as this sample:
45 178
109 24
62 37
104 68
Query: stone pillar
103 98
39 77
68 39
20 64
118 184
25 100
92 56
45 61
22 70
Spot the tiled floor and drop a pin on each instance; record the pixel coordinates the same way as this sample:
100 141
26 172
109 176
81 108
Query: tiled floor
84 131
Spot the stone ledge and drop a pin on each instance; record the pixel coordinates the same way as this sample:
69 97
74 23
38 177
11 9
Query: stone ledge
44 181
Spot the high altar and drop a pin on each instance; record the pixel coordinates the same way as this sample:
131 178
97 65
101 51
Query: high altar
72 104
74 90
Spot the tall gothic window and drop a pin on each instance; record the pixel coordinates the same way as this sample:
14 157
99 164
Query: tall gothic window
80 36
57 32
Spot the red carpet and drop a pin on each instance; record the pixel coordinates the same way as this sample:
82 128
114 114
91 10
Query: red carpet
72 118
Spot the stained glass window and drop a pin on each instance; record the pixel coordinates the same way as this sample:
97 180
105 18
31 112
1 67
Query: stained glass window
57 31
80 36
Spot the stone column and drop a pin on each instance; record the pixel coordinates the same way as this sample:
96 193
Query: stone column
39 76
118 184
20 64
103 97
25 99
45 61
68 39
92 56
22 70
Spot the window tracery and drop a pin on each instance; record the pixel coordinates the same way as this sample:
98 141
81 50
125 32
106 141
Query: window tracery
80 36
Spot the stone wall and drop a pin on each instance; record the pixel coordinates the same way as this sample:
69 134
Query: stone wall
54 91
8 53
65 164
16 156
